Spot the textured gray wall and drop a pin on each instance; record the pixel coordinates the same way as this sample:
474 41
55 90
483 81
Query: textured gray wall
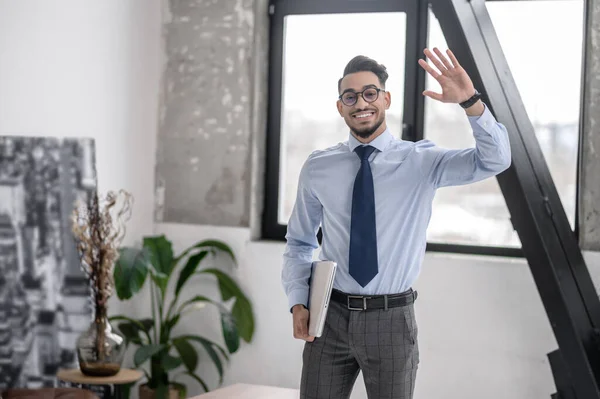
589 205
208 109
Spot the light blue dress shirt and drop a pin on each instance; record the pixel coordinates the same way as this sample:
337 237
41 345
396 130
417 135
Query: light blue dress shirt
406 176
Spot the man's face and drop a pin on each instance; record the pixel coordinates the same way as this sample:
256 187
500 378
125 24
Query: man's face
364 118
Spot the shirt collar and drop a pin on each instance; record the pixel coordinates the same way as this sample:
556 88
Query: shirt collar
380 142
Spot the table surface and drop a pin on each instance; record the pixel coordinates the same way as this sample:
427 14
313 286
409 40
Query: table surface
248 391
124 376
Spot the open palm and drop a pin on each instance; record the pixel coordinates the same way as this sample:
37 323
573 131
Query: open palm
453 79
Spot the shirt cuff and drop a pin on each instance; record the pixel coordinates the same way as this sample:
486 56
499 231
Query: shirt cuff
298 297
485 121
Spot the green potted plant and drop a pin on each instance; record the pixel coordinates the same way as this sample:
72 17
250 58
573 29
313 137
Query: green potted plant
158 346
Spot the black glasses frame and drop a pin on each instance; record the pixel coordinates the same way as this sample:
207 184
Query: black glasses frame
377 89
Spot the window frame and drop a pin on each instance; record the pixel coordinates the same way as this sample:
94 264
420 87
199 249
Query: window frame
413 113
271 229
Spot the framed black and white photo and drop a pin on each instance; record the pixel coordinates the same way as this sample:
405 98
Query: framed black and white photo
44 295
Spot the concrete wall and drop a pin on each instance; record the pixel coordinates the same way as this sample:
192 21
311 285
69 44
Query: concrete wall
206 115
589 205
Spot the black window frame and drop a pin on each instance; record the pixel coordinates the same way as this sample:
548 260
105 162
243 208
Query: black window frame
413 123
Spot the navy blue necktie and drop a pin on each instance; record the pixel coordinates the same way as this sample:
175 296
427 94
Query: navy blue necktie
363 235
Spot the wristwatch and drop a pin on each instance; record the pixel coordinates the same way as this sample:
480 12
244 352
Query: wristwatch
472 100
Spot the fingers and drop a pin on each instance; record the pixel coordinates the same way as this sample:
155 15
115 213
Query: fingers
432 94
453 58
301 327
429 69
445 61
306 337
440 61
441 67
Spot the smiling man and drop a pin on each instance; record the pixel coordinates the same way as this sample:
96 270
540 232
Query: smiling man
372 195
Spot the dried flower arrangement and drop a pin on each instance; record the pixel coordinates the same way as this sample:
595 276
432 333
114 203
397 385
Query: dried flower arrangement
99 228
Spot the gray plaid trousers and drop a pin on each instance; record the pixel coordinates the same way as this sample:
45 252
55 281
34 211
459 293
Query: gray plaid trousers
381 343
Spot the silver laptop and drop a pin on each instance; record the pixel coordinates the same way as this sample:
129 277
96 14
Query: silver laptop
321 284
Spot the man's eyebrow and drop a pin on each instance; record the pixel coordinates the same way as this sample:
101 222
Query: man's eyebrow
364 87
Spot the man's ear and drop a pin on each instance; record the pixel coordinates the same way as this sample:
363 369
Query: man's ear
388 99
339 107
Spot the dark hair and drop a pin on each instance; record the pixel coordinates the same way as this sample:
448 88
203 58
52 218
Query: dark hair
361 63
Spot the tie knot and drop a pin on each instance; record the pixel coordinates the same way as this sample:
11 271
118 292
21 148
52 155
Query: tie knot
364 152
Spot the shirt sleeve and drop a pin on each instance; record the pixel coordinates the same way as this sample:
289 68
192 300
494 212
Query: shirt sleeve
301 239
490 156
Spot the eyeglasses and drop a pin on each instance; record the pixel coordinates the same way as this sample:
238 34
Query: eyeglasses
370 95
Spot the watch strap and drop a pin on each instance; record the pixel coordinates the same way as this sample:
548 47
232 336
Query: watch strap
472 100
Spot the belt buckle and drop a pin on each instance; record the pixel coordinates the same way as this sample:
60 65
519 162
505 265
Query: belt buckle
364 298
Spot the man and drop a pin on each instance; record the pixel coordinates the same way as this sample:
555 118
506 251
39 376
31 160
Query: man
373 195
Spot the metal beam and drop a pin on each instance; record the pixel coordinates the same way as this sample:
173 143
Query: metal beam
537 214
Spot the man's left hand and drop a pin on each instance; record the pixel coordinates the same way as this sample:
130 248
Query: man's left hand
456 85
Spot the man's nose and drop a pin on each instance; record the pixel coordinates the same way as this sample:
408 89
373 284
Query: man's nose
360 102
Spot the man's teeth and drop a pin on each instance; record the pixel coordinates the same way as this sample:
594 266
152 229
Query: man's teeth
364 115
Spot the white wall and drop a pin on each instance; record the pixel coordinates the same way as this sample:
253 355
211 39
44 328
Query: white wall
92 68
87 69
483 329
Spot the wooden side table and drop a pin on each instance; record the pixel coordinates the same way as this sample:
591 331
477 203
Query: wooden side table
121 382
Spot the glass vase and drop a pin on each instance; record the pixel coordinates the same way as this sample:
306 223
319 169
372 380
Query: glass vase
100 349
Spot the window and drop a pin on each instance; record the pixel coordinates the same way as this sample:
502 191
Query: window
309 52
311 43
309 117
554 109
476 214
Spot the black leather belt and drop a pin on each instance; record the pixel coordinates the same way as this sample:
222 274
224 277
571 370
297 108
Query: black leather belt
364 302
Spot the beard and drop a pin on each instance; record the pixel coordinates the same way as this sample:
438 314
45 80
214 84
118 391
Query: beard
366 132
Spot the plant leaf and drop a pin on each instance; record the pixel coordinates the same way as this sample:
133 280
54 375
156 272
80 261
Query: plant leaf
161 253
230 332
145 352
228 323
227 286
244 320
194 376
209 347
148 324
131 332
197 298
130 271
161 280
242 309
188 270
170 362
187 352
211 244
144 325
171 323
223 352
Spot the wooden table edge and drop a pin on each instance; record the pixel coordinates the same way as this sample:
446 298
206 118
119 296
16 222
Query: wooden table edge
77 377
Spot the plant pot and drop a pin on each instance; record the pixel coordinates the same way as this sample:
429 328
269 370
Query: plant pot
100 350
146 392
